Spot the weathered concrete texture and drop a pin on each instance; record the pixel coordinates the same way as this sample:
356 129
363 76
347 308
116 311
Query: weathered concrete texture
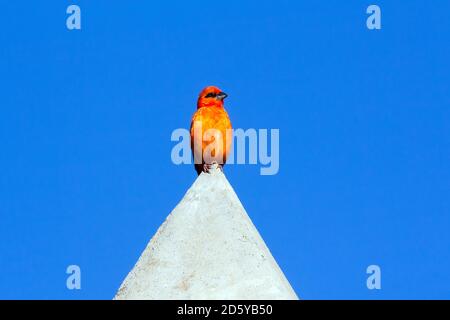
207 248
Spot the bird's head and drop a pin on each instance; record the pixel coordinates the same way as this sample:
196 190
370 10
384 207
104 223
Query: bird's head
211 97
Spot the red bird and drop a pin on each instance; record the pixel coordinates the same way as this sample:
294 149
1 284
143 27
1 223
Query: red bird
211 133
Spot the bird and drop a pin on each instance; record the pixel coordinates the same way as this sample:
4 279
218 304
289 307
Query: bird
211 130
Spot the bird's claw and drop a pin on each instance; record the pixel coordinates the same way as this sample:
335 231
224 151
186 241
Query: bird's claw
213 165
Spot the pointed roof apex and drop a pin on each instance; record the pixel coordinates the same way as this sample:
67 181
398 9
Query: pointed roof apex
207 248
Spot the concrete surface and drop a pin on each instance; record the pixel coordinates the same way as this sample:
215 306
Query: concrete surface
207 248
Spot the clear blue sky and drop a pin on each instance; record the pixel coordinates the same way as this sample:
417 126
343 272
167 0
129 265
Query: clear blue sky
364 118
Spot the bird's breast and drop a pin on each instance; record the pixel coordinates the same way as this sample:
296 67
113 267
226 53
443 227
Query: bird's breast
212 118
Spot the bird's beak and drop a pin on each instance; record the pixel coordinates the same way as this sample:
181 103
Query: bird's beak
221 96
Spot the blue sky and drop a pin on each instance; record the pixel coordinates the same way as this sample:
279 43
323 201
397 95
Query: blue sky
364 118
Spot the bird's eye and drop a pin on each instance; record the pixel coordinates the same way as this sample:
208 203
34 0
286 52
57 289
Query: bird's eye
210 95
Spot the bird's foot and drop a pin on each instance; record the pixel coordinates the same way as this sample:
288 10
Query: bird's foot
207 167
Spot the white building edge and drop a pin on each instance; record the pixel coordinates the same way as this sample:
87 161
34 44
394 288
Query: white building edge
207 248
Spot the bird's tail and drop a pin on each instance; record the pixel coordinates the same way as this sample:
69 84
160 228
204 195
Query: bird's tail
198 168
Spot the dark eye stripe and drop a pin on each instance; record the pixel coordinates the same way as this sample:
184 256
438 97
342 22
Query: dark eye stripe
210 95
